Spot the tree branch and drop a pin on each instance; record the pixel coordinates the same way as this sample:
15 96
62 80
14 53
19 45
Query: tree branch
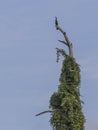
66 42
60 51
47 111
63 42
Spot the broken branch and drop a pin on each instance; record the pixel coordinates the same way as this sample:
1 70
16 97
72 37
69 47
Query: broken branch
51 111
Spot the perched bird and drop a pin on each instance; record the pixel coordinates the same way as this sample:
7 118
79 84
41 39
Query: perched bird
56 21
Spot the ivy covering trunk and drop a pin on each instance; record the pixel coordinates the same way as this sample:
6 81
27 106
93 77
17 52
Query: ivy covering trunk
66 101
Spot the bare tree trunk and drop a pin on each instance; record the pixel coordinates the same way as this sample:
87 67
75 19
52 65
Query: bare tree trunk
66 42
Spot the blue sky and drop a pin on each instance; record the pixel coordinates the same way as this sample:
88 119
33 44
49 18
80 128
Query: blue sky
29 73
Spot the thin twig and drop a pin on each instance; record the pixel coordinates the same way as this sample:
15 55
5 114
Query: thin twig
62 51
63 42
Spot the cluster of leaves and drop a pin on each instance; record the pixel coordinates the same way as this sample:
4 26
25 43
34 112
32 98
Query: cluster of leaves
66 101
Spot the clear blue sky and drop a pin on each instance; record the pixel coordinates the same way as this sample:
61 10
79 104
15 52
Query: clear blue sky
29 73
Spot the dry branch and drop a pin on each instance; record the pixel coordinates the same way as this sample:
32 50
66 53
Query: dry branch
66 42
63 42
47 111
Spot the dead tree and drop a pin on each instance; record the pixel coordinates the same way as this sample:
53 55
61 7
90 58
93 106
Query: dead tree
66 41
61 51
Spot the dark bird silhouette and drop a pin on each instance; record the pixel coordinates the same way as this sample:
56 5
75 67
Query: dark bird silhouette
56 21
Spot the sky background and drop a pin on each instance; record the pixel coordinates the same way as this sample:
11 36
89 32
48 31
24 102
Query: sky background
29 73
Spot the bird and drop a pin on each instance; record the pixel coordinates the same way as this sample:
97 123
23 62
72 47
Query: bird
56 21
